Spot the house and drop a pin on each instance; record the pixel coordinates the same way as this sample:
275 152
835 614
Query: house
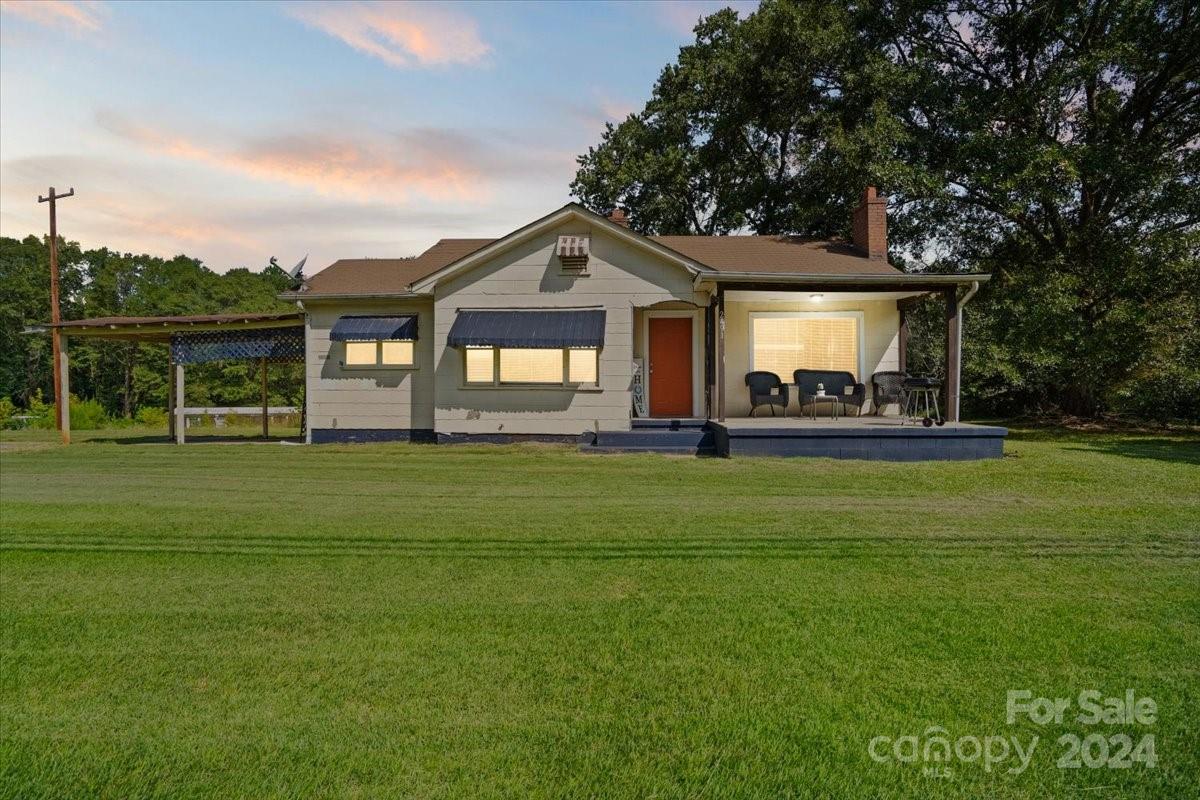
575 325
575 328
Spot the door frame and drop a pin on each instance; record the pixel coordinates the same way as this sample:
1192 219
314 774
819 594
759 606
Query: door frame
697 317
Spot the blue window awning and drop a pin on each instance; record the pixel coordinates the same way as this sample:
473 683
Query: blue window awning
369 329
528 329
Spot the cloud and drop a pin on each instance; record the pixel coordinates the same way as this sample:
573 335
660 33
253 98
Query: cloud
399 34
80 16
432 163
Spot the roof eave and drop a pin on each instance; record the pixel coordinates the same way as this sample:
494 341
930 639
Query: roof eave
798 279
307 296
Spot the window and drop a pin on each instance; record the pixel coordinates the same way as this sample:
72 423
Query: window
582 366
396 354
481 365
383 353
783 343
531 366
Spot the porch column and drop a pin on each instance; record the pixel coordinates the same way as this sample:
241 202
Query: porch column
902 339
265 418
710 370
721 354
177 410
63 389
953 355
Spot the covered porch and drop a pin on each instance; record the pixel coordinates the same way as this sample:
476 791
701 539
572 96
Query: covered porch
856 325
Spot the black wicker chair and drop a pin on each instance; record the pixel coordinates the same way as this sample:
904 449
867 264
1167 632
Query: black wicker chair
835 383
766 389
888 387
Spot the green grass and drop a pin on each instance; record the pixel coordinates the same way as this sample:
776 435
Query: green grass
266 620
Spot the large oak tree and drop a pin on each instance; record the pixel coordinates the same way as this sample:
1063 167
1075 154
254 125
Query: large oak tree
1055 144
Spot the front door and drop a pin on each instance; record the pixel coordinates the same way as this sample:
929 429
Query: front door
670 366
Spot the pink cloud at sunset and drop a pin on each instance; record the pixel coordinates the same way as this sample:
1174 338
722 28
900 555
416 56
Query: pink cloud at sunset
399 34
76 15
428 164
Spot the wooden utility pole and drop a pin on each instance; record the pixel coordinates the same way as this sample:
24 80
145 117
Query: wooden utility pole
60 402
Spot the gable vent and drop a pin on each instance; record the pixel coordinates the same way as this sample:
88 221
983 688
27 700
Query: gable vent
572 252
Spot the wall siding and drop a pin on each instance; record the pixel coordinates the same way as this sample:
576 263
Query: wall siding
620 278
369 400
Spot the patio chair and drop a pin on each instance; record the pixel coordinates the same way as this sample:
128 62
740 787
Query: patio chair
766 389
835 383
888 387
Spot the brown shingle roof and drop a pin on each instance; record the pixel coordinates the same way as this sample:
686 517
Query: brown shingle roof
776 254
389 275
779 254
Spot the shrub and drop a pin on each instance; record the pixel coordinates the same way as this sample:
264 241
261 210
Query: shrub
86 415
41 412
7 409
151 417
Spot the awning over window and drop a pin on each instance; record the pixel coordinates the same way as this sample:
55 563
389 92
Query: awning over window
368 329
528 329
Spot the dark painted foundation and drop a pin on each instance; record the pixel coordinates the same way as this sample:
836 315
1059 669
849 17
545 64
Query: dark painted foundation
907 443
366 435
704 437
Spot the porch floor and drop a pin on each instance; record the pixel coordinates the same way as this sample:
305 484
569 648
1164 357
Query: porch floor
866 437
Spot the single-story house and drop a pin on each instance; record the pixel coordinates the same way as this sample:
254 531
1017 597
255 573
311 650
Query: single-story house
575 327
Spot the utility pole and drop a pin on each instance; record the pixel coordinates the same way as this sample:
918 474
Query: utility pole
60 402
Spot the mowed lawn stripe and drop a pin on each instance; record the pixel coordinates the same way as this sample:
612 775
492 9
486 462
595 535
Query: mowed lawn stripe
273 621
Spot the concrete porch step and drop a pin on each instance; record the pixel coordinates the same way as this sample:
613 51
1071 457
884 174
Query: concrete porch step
659 423
688 437
689 440
678 451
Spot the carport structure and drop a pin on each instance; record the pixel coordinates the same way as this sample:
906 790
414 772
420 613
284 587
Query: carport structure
195 339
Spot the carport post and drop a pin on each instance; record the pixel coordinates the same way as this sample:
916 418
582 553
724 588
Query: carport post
63 389
170 395
264 397
177 411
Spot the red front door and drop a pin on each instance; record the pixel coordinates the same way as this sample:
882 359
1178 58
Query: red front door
670 366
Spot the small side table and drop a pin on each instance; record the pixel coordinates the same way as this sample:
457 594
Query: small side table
815 399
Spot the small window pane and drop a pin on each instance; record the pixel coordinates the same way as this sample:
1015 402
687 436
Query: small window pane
582 366
479 365
398 353
531 366
359 354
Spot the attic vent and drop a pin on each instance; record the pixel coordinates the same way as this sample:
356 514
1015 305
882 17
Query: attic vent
572 252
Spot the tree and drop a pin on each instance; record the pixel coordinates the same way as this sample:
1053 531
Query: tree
1054 144
126 375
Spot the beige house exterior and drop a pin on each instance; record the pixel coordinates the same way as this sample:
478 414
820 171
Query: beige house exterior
680 317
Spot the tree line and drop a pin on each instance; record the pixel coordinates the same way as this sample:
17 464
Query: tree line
127 376
1054 144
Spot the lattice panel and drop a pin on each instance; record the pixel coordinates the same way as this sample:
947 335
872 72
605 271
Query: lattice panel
274 344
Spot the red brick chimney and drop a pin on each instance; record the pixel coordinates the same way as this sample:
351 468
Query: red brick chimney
870 225
618 216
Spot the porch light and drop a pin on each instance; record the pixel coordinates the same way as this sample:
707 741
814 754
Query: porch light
816 298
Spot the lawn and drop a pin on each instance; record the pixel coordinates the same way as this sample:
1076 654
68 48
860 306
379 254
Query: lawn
269 620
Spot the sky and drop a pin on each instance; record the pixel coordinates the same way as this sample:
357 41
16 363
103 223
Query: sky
233 132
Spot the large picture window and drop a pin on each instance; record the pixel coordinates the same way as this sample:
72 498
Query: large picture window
531 366
785 342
